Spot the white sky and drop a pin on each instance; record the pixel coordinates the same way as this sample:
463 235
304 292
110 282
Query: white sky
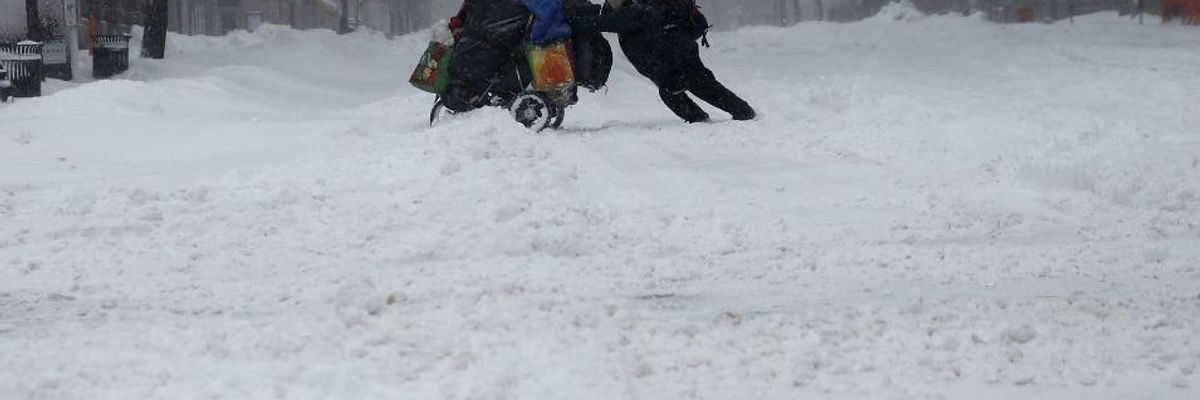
12 16
12 10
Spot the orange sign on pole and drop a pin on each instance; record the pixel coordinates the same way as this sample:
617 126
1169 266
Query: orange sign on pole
91 34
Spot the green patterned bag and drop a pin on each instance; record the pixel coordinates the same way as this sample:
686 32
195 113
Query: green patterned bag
433 71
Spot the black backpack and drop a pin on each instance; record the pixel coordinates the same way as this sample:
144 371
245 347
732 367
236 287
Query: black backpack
686 15
593 60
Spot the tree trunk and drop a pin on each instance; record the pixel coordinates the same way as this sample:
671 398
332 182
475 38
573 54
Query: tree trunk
781 11
154 42
33 21
344 18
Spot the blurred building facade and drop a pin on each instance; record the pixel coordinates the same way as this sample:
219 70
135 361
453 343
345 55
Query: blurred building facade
218 17
396 17
730 14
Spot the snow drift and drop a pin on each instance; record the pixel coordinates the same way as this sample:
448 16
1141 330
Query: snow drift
936 209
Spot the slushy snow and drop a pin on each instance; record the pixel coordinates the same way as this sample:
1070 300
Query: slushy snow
927 208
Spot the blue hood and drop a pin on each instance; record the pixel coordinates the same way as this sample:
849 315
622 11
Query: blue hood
549 23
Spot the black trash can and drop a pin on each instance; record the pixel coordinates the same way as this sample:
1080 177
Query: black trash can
5 85
23 64
110 56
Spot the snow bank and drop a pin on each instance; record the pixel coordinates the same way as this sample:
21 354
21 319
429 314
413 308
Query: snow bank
935 209
902 10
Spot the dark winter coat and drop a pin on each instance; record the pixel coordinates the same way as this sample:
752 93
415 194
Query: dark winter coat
652 48
503 23
661 47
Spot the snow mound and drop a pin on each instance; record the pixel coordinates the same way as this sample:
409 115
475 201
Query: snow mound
901 10
923 210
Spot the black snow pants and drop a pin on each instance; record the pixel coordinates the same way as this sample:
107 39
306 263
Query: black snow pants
691 76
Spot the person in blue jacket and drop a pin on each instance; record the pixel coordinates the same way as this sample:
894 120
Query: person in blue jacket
489 35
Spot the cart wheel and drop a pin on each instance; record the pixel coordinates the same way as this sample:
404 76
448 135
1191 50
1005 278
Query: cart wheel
533 111
439 110
559 115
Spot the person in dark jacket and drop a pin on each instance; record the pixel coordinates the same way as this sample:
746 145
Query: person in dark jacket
659 46
488 39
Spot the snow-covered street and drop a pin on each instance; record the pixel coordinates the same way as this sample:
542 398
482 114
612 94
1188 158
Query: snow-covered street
927 208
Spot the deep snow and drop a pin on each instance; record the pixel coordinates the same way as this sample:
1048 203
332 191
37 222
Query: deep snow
928 208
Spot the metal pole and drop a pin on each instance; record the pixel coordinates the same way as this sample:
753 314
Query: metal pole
391 29
71 18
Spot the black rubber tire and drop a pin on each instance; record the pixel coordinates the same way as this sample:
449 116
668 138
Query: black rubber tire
533 111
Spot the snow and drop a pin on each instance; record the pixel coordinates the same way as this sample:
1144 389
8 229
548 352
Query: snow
931 207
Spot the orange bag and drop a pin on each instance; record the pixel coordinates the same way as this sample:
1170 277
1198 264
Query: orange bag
551 67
